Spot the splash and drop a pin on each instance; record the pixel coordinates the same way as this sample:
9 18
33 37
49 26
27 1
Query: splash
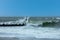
30 31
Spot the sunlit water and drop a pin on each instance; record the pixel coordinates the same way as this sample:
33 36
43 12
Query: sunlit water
30 31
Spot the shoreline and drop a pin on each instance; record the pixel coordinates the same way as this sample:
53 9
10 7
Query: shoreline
28 38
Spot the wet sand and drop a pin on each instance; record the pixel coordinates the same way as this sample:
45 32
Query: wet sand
14 38
9 38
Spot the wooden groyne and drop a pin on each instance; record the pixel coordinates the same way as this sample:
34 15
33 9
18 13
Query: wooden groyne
13 24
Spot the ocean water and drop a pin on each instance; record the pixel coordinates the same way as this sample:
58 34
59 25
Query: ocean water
29 33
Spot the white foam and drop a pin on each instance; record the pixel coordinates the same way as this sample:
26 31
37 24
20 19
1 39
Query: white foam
31 32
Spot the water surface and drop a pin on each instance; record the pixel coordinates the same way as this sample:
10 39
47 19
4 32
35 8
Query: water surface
30 32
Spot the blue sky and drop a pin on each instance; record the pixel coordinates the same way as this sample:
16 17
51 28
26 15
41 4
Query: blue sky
29 7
